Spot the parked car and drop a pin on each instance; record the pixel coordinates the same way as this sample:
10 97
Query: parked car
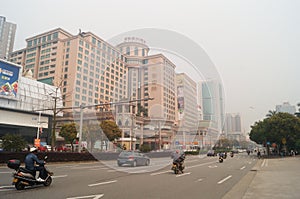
42 148
62 148
133 158
211 153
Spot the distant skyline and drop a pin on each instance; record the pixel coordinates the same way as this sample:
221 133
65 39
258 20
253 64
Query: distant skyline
253 44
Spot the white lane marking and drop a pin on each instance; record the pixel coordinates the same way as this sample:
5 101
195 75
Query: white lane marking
214 166
183 174
263 163
61 176
243 168
111 171
221 181
267 161
102 183
6 172
91 196
154 174
199 165
8 186
199 180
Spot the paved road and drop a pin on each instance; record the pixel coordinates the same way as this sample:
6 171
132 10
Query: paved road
270 179
204 177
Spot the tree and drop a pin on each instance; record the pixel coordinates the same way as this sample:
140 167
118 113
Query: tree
298 113
275 129
69 133
111 130
91 133
13 143
271 113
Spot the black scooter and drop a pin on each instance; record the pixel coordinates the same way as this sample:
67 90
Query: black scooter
221 157
23 177
178 165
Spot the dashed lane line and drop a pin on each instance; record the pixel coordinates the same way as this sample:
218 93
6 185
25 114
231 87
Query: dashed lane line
227 178
102 183
184 174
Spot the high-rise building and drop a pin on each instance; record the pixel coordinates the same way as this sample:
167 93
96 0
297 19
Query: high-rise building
187 102
7 37
286 108
213 104
232 123
149 76
86 68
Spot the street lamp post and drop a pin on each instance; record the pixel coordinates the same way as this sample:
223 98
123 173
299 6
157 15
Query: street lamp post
39 123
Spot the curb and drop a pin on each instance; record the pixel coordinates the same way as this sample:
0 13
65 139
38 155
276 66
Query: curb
239 190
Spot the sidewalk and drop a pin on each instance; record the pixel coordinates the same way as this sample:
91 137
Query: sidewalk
269 179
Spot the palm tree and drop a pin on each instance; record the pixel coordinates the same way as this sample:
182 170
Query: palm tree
271 113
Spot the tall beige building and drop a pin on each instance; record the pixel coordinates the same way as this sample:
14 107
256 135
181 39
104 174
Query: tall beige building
150 76
187 102
88 69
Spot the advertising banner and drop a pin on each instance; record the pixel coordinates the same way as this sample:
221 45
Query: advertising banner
9 77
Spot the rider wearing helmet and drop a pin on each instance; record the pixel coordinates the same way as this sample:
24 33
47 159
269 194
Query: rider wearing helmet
31 159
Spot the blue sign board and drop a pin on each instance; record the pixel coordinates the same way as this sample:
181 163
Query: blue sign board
9 77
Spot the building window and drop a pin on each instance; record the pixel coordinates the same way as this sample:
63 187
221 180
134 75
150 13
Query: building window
127 50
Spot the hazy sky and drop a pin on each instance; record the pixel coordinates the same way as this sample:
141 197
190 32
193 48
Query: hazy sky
254 44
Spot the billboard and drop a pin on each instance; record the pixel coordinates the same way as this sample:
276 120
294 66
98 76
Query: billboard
9 78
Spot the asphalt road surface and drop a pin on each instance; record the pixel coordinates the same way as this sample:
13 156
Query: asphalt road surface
204 177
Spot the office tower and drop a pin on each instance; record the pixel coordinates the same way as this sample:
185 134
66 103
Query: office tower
213 104
7 37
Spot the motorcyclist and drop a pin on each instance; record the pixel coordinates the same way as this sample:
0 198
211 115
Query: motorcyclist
30 160
178 158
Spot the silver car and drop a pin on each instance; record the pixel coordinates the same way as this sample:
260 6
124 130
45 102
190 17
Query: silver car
133 158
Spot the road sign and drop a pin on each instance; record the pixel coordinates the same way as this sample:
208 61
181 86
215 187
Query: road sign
37 142
283 141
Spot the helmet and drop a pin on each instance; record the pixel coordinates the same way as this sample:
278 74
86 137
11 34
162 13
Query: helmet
32 149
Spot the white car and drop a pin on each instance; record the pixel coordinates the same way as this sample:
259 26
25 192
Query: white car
48 147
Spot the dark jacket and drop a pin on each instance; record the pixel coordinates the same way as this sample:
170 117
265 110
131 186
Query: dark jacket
30 159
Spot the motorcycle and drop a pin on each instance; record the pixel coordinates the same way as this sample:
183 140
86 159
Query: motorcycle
231 154
221 157
23 177
178 165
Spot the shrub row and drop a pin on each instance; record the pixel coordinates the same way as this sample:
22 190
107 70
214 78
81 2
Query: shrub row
52 156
